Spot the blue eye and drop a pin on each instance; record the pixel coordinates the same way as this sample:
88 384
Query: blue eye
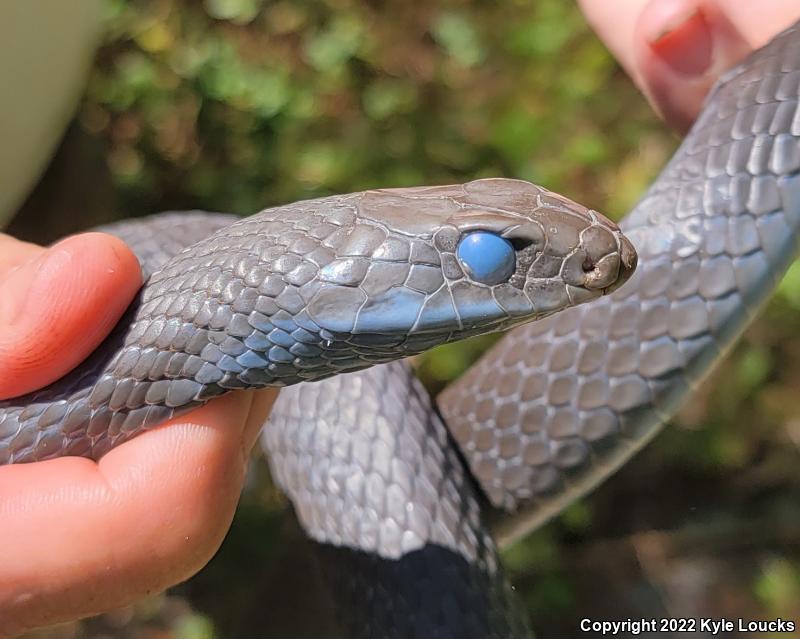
486 257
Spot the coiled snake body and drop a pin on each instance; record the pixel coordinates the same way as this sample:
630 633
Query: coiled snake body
328 286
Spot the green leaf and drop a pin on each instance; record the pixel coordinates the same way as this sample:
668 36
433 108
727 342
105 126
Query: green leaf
237 11
455 33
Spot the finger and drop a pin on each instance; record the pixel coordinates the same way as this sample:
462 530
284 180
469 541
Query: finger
681 48
676 49
614 21
758 22
14 252
57 305
80 537
259 412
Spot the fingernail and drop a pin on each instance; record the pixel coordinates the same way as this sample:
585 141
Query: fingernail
682 39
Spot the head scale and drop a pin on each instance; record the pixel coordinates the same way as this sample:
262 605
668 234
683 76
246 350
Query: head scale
423 266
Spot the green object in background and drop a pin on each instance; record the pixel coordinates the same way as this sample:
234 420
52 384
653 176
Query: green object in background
236 105
45 50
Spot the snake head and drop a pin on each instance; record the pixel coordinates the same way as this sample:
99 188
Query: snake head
429 265
305 290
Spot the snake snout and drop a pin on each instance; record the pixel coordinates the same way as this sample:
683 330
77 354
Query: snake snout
607 258
613 269
628 259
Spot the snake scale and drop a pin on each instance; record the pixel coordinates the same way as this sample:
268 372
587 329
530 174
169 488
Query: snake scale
556 405
393 497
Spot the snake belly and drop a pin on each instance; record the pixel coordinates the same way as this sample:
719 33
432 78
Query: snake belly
557 405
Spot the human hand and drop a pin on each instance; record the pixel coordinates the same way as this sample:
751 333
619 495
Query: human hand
80 537
676 49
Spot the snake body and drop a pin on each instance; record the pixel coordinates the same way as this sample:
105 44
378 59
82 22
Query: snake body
329 286
311 289
557 405
715 232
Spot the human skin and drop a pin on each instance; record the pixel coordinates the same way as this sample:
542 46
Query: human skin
676 49
81 537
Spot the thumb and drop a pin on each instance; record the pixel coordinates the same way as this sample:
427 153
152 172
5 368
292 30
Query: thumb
57 304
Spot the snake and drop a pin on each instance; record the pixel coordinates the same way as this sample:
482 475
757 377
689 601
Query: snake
407 497
413 503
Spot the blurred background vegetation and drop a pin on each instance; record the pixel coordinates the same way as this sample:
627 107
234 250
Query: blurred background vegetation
235 105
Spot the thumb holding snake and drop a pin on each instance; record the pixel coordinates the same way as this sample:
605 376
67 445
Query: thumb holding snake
107 555
82 537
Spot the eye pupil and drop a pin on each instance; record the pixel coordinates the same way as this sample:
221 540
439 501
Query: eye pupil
486 257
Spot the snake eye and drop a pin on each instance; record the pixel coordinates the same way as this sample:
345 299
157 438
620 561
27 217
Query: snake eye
486 257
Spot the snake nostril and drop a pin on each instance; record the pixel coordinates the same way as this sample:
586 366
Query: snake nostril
588 265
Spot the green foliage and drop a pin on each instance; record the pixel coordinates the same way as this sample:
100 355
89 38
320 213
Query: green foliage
194 627
236 105
778 586
459 39
789 288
